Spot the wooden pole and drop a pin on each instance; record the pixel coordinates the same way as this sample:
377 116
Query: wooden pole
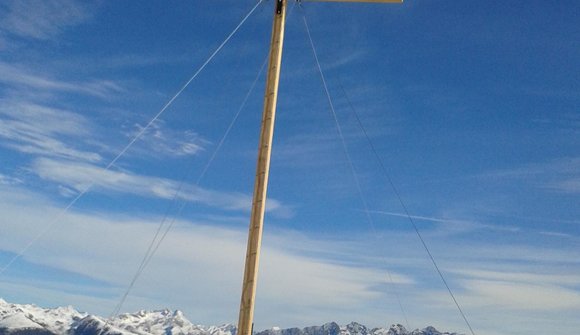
246 318
245 321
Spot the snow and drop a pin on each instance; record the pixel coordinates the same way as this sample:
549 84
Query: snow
56 320
67 320
18 321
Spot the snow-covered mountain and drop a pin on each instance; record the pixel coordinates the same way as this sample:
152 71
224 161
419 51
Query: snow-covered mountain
36 320
352 328
18 319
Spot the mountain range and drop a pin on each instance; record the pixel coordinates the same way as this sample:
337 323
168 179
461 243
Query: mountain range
16 319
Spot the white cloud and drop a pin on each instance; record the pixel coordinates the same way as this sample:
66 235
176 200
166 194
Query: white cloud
198 268
309 150
571 185
80 176
20 76
518 290
521 296
41 130
45 119
523 277
41 294
123 61
41 19
557 234
521 253
8 180
308 279
453 226
561 175
162 140
345 60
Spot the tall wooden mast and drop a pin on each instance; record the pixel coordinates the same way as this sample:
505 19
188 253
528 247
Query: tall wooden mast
245 322
262 171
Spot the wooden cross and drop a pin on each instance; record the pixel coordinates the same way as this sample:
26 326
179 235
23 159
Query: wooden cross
245 323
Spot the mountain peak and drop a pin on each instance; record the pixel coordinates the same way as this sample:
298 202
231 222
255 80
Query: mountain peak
34 320
397 329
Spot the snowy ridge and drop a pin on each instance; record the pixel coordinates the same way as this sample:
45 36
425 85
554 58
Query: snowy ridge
18 319
352 328
165 322
55 320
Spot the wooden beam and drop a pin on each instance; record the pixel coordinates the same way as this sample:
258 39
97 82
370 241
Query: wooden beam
246 318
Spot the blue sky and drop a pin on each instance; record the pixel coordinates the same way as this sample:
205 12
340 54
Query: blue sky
472 106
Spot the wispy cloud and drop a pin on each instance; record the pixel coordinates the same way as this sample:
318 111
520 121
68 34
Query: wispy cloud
3 43
521 296
509 283
41 19
312 149
203 256
160 139
453 225
523 277
8 180
342 62
19 76
41 130
561 175
125 61
204 261
556 234
571 185
79 176
530 306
